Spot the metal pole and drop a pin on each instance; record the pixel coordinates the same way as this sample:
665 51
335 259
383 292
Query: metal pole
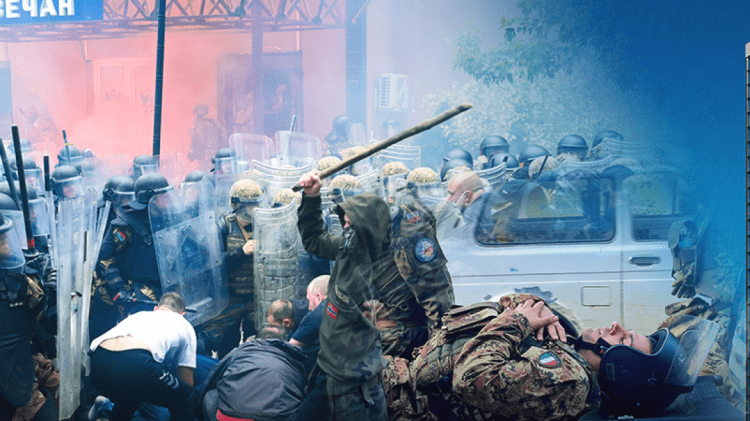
161 23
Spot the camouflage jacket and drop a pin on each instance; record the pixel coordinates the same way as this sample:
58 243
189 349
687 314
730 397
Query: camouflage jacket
485 364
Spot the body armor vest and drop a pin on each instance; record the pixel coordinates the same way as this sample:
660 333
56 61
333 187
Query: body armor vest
16 366
240 280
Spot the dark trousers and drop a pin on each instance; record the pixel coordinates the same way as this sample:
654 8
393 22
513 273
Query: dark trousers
365 403
128 378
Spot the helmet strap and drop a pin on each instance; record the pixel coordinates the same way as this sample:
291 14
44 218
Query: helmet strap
599 348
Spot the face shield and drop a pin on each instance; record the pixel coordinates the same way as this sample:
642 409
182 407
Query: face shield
393 186
40 222
139 170
429 193
243 207
18 223
340 195
11 254
35 180
224 166
70 188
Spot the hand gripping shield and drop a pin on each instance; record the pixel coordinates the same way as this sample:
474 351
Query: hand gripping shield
79 230
275 256
188 252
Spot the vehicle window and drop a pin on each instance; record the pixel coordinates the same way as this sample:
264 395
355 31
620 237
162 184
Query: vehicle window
576 207
655 201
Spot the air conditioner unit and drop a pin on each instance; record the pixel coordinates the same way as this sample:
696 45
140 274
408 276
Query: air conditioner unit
393 92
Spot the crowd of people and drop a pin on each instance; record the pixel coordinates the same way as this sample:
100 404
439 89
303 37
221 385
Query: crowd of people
369 330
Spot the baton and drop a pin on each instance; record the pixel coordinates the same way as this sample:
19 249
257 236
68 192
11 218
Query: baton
22 187
371 150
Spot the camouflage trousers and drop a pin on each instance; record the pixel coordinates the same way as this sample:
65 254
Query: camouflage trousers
45 377
400 341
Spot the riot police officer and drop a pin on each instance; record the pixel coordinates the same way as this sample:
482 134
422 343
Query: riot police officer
127 270
69 155
528 154
21 303
573 147
144 164
452 166
67 183
337 139
490 146
222 333
118 190
599 144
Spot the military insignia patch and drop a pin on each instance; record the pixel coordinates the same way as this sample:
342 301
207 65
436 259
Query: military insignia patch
425 250
550 360
119 236
332 311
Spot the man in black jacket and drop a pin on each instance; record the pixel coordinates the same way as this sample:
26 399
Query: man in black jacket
262 379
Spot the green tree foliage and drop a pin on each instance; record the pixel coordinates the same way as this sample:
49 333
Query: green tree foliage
550 37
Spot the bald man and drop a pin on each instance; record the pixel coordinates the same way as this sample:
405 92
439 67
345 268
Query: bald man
467 191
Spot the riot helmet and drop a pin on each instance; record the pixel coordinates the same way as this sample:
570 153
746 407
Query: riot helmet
574 145
144 164
499 158
344 186
340 125
604 135
146 187
67 183
425 184
69 155
225 162
244 196
637 383
34 177
194 176
286 196
452 166
11 253
88 153
328 162
362 167
119 189
493 144
458 153
391 173
530 152
541 165
25 146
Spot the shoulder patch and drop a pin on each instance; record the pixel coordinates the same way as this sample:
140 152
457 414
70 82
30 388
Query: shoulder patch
119 235
332 311
550 360
425 250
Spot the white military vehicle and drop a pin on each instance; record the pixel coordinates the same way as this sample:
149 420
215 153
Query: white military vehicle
595 243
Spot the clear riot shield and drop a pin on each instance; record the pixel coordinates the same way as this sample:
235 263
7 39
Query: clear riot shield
495 176
298 149
272 179
275 256
71 302
18 224
410 156
188 253
251 147
370 181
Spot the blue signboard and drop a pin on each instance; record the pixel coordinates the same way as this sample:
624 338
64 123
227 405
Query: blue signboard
15 12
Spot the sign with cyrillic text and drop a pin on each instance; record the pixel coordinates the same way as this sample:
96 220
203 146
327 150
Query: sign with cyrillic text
18 12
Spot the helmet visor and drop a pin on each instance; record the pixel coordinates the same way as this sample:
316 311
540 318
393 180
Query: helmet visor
11 254
40 224
694 345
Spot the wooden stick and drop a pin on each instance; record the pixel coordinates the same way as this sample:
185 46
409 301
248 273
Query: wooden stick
373 149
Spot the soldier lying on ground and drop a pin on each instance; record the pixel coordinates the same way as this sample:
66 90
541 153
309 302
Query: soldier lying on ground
512 360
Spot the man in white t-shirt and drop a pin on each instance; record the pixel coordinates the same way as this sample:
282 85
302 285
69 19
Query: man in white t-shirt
128 364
